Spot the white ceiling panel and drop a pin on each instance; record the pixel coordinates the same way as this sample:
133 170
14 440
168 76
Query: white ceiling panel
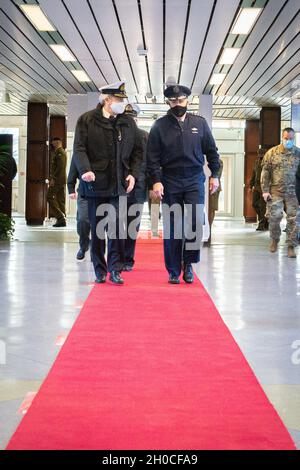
152 13
131 28
104 36
15 53
108 24
273 74
198 22
279 80
60 18
176 11
217 33
258 43
27 36
84 19
262 74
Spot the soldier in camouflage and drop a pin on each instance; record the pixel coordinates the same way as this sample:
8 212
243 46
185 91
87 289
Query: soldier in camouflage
258 202
278 179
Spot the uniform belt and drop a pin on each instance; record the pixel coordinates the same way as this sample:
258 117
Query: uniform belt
185 171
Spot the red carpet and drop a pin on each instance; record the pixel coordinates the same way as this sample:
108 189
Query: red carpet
150 366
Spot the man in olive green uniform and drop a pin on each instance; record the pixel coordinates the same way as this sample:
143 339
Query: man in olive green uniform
278 179
213 204
56 196
258 202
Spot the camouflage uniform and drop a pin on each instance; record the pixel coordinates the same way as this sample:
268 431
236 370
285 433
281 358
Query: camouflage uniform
56 196
278 178
258 202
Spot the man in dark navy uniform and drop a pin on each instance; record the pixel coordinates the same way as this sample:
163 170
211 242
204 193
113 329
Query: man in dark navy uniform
175 159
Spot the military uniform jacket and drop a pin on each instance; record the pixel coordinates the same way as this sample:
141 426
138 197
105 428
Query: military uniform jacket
256 175
279 169
111 149
140 187
73 176
172 145
298 184
214 198
58 167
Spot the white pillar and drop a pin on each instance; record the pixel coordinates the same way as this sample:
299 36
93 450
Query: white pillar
295 123
206 108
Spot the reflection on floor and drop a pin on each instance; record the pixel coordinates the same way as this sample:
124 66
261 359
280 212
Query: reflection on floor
42 288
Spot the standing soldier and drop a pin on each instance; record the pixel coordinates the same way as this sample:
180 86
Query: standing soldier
108 155
213 204
175 157
278 177
258 202
56 196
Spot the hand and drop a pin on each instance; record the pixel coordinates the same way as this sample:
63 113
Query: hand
158 190
52 183
131 183
213 185
88 177
267 197
73 196
153 197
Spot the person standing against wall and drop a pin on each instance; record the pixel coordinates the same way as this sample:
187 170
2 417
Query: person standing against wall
56 195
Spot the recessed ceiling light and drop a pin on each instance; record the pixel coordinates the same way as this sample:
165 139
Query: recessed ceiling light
229 55
39 20
81 76
63 53
245 20
217 78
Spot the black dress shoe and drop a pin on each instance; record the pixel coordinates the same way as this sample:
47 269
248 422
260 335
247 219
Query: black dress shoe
188 275
127 267
80 255
61 223
100 278
173 279
116 278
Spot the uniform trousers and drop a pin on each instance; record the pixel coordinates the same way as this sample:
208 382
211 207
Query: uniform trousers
56 198
133 222
182 235
115 244
275 208
83 223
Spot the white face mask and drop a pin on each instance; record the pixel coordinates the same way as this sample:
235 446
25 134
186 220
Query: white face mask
118 108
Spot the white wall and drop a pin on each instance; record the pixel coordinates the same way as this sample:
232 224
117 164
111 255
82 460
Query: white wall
230 142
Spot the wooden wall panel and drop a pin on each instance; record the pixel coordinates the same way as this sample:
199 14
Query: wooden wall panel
37 163
270 127
58 128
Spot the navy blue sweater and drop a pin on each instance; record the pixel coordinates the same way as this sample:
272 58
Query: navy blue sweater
172 145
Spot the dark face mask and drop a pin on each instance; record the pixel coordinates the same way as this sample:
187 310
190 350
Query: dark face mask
179 111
